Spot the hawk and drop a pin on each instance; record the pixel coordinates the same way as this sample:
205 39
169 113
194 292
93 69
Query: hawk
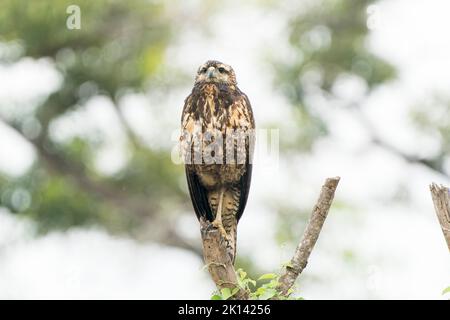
216 144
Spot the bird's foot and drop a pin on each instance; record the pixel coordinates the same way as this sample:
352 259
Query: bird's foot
218 224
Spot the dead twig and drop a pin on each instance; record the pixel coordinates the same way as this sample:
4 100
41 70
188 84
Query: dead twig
310 236
440 196
222 270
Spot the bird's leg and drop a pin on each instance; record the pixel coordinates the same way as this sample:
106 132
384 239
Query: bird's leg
218 219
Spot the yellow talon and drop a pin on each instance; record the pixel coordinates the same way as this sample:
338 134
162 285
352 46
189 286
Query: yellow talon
218 224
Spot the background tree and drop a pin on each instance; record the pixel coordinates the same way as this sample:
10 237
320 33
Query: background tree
121 52
119 49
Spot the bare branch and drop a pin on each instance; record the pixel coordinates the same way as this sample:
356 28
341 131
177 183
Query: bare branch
131 135
218 261
310 236
172 237
436 164
440 196
222 270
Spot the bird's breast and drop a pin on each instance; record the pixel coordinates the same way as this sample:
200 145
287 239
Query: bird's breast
212 109
218 121
214 175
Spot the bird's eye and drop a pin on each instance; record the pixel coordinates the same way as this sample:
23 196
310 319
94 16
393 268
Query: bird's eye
221 70
203 70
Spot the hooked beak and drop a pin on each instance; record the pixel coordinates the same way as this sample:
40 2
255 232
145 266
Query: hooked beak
210 73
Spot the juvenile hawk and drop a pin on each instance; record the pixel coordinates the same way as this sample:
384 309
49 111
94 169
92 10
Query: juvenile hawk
217 143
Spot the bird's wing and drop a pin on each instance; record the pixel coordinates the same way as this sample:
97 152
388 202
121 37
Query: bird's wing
197 191
244 186
198 195
245 122
241 117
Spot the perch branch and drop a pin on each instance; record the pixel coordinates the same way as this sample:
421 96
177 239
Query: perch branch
440 196
222 270
310 236
218 261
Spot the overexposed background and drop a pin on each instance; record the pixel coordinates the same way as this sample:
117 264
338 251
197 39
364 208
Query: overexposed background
373 247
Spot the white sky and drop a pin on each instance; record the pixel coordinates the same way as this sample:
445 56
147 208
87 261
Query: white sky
399 250
89 263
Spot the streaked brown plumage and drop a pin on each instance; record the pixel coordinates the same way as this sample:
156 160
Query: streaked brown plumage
218 187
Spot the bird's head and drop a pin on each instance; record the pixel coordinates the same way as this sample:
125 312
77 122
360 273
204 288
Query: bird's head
215 72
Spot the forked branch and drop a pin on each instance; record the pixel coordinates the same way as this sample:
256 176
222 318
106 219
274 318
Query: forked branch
222 270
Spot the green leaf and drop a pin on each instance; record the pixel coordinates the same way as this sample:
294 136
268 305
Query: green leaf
216 297
273 283
242 274
226 293
268 293
204 267
267 276
446 290
260 291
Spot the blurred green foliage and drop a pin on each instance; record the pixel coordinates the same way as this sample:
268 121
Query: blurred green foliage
328 40
433 118
264 288
120 46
